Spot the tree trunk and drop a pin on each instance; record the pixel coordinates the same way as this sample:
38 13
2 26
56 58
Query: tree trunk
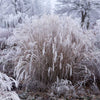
83 17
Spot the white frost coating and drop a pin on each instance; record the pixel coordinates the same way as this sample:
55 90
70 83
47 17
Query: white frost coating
53 67
61 58
61 38
6 86
43 51
31 60
55 56
69 68
4 33
6 82
71 71
53 48
49 69
7 95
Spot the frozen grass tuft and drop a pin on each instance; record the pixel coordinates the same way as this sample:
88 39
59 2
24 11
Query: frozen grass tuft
50 47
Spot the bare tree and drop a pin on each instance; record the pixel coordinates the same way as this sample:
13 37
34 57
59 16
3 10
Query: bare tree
87 10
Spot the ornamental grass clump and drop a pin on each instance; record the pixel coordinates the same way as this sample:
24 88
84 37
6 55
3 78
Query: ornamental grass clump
50 47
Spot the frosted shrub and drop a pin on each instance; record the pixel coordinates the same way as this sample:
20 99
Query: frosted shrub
11 21
4 34
49 47
97 32
6 82
6 85
5 95
63 88
97 27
